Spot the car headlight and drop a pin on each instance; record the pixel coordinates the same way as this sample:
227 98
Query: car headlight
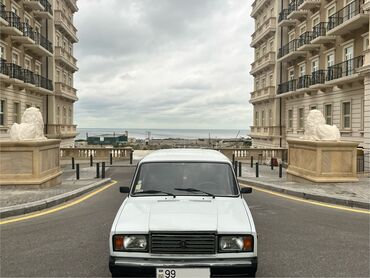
236 243
138 243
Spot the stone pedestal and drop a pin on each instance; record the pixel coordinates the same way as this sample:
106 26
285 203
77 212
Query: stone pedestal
322 161
30 163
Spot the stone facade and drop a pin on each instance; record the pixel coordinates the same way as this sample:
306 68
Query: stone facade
320 63
37 64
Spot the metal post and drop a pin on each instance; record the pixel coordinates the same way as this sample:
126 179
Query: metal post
91 160
97 171
77 171
272 163
257 172
233 157
103 170
131 156
240 168
111 158
73 162
251 161
280 170
235 164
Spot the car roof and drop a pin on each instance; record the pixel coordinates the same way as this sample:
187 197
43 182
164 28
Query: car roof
194 155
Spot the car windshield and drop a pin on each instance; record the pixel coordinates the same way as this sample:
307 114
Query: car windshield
190 178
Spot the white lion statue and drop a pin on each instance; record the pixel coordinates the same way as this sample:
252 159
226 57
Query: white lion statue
31 126
316 128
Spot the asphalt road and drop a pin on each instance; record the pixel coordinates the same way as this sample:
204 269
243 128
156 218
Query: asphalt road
295 238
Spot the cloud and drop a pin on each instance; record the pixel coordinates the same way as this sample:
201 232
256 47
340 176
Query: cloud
164 64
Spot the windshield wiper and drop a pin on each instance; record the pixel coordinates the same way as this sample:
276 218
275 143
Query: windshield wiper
190 189
154 192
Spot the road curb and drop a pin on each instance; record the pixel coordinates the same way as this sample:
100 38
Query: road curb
304 195
50 202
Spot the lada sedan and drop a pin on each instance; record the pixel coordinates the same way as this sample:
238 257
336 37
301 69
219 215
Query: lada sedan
184 217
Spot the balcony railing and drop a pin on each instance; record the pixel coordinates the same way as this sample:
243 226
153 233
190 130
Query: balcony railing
318 77
47 6
27 30
319 30
44 42
17 72
348 12
12 19
288 48
305 38
289 86
283 15
345 68
304 81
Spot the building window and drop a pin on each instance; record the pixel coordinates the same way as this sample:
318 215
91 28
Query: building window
28 106
58 115
291 74
256 120
313 107
15 58
301 118
330 60
64 115
330 12
58 76
302 70
2 52
70 116
328 114
65 78
263 118
270 117
16 112
290 118
37 69
27 64
315 65
2 112
346 114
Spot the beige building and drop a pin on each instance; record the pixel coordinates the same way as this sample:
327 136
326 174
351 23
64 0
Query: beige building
322 62
37 64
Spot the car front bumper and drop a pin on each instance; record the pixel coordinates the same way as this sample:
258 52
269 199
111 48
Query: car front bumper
135 267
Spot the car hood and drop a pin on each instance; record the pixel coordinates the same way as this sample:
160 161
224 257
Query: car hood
146 214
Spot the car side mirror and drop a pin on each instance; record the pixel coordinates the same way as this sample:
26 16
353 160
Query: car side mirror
124 189
246 190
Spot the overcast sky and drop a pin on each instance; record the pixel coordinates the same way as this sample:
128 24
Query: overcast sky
164 63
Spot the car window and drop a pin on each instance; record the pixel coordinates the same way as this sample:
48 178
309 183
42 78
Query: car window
213 178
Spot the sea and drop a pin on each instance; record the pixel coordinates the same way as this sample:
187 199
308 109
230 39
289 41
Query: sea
144 133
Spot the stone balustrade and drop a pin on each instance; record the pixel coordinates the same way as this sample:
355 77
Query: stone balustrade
97 153
260 155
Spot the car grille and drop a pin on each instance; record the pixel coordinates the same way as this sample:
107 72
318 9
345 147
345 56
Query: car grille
183 243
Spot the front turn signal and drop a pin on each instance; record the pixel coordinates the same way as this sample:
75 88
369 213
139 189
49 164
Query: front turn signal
118 242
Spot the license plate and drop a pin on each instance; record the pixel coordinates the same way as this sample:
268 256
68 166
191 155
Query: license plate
183 272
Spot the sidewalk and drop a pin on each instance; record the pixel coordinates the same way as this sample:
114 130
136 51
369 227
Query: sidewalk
348 194
15 201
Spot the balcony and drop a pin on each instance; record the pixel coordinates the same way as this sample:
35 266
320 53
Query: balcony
65 26
263 62
287 87
318 79
304 42
348 19
61 131
27 34
66 91
46 12
12 27
262 94
319 35
304 83
284 20
73 5
345 72
66 58
264 32
290 51
309 4
3 21
41 46
32 5
14 74
295 12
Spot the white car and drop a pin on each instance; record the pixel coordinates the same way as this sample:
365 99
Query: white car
184 217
